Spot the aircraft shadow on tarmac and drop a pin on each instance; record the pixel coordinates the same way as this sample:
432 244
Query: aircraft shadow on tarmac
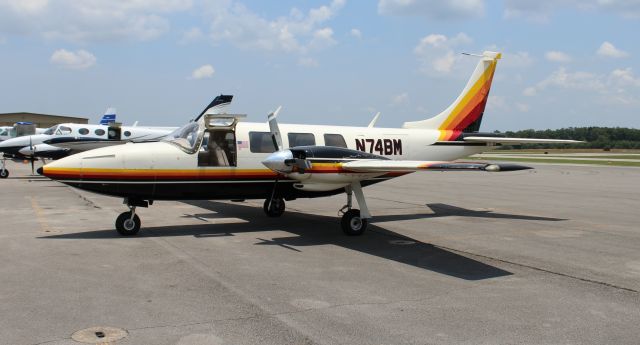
313 230
444 210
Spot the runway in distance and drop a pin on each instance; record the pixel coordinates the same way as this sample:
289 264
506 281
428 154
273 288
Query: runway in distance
218 156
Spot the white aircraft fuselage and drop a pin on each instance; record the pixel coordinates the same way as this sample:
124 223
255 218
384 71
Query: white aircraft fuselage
164 170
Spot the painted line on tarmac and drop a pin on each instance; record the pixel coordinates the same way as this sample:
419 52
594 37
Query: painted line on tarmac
44 225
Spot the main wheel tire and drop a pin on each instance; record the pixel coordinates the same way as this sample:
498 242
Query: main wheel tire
127 226
4 173
276 209
352 224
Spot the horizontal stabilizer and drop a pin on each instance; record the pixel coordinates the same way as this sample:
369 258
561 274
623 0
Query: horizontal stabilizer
379 165
502 140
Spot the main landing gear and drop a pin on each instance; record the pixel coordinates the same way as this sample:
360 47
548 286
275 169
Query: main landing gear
354 222
4 173
128 223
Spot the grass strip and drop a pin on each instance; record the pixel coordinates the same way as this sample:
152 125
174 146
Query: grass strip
561 161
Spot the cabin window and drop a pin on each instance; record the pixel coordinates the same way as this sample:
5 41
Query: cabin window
4 133
127 133
99 132
83 131
63 130
301 139
50 130
335 140
260 142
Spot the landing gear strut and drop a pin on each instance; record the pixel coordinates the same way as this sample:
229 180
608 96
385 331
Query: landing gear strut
274 207
128 223
354 222
4 173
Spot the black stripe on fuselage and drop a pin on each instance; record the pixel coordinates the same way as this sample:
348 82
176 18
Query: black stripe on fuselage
193 190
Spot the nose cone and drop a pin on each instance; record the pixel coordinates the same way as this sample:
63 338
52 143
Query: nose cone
65 168
39 171
276 161
27 151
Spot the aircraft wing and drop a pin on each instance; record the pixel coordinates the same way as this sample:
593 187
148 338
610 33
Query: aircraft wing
502 140
380 165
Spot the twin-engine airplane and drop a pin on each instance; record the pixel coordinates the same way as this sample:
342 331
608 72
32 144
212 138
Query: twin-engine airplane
217 156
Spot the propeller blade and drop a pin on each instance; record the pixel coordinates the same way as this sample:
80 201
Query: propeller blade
275 130
33 169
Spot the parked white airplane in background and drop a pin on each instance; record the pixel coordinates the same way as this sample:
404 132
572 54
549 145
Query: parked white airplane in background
219 157
22 147
68 138
8 132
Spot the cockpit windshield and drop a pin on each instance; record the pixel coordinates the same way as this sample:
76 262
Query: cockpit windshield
50 130
187 137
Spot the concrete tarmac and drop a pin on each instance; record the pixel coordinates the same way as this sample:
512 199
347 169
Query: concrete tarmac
547 256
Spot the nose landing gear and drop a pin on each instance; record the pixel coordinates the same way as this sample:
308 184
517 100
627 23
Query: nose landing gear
4 173
274 207
128 223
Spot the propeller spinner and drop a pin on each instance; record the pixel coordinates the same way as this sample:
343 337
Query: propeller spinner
283 161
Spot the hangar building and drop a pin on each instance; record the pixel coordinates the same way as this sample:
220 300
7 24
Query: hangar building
41 120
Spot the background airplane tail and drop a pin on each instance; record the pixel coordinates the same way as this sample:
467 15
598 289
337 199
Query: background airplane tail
464 115
108 117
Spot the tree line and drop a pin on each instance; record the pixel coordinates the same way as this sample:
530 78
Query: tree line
594 137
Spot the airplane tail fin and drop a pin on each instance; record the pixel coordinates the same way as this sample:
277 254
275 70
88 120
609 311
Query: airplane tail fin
464 115
108 117
219 105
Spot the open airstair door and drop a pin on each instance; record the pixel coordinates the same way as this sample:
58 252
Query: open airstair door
114 131
218 147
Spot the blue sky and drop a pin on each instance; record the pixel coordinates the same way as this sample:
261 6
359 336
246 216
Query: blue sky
565 63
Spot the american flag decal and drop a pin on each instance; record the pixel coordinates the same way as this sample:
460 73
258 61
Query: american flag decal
243 144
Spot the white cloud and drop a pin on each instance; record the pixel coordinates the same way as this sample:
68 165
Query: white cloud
557 56
609 50
307 62
297 33
80 59
400 99
530 91
203 72
84 21
541 10
435 52
356 33
191 35
620 86
322 38
522 107
518 60
624 77
496 102
433 9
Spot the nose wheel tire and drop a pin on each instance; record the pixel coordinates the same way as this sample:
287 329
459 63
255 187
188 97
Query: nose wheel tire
352 224
276 209
126 226
4 173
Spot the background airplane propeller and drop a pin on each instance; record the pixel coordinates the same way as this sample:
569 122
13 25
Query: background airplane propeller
33 156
